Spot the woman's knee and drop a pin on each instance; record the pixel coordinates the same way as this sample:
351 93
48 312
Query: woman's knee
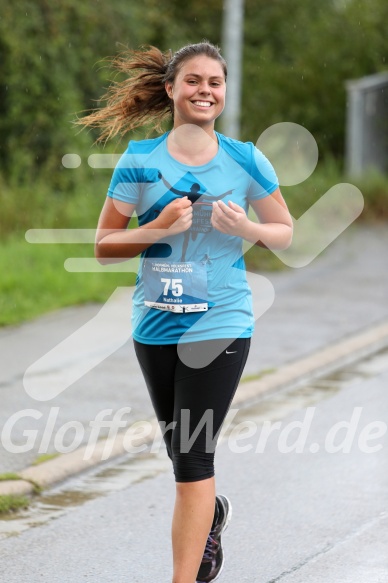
193 466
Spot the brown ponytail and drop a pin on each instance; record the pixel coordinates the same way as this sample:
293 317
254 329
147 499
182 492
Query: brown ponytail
141 98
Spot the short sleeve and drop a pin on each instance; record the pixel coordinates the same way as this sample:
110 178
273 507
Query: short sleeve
263 176
129 176
126 180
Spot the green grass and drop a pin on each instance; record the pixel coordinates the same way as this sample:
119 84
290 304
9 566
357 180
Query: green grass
11 503
45 457
34 280
12 476
257 376
373 186
9 476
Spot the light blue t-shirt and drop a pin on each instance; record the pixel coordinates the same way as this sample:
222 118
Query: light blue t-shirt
201 261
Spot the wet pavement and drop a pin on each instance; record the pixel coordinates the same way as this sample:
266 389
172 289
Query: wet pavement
342 292
309 500
305 467
132 468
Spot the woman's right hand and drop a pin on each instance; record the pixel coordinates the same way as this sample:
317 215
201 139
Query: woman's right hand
176 217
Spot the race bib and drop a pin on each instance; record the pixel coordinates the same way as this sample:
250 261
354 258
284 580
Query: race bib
175 287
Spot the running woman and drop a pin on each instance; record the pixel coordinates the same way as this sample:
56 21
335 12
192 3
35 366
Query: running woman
191 188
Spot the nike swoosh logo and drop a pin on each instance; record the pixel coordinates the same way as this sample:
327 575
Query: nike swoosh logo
231 351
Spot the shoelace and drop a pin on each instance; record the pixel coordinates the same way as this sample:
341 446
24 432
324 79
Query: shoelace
211 546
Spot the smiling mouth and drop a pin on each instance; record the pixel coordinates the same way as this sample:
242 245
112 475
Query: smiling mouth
202 103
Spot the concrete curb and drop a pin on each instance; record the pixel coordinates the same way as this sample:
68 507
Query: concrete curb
322 362
317 364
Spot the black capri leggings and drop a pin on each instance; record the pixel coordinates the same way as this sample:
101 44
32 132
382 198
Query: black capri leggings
191 403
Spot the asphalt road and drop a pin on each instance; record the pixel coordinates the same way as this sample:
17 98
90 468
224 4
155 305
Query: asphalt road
340 293
312 516
317 515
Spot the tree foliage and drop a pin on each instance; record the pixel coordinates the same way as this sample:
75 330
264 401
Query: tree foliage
51 68
297 56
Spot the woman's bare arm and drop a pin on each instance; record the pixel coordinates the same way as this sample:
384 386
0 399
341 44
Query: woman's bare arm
115 242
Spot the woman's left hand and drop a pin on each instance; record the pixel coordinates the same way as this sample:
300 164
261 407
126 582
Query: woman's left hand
230 218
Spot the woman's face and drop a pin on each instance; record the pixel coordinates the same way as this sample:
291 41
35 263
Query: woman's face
198 92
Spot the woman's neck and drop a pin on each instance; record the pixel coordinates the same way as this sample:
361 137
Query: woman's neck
190 144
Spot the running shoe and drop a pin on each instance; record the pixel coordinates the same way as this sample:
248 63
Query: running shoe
213 557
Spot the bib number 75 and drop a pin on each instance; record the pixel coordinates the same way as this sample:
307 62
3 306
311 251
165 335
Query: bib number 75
175 285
